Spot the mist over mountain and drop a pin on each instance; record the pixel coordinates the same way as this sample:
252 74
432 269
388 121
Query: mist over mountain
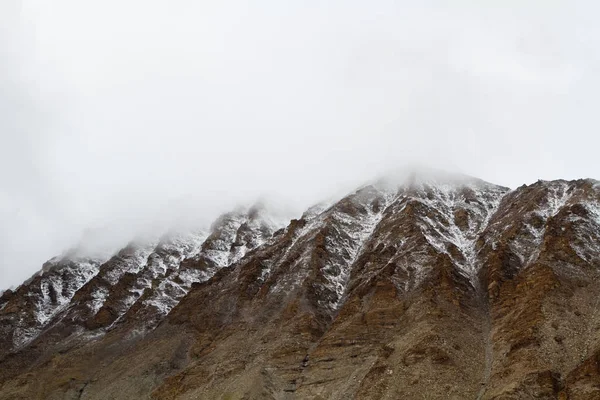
114 112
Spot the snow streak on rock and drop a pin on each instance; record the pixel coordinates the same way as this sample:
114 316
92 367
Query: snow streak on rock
166 259
49 293
557 197
538 203
130 260
587 243
296 254
457 216
325 246
232 236
350 232
99 296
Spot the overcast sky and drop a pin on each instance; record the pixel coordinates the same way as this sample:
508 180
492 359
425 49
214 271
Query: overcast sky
113 113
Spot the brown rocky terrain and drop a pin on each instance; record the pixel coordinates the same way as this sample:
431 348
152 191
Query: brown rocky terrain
436 288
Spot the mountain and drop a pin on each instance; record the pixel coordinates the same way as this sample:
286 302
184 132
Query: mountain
422 286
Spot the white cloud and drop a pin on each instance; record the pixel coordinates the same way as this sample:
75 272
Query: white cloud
111 110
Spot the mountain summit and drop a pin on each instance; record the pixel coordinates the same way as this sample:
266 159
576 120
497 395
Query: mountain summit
419 285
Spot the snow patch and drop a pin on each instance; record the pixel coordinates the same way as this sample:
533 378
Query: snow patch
359 230
59 281
442 230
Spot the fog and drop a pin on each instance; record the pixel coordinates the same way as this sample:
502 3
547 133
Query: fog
117 114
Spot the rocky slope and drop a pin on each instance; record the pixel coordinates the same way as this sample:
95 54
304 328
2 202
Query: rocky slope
427 287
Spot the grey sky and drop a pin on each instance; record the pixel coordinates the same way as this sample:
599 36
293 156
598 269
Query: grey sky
113 113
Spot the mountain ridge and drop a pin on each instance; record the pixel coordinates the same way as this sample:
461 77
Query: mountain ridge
446 285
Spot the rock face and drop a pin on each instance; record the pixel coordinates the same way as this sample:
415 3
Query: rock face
437 287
